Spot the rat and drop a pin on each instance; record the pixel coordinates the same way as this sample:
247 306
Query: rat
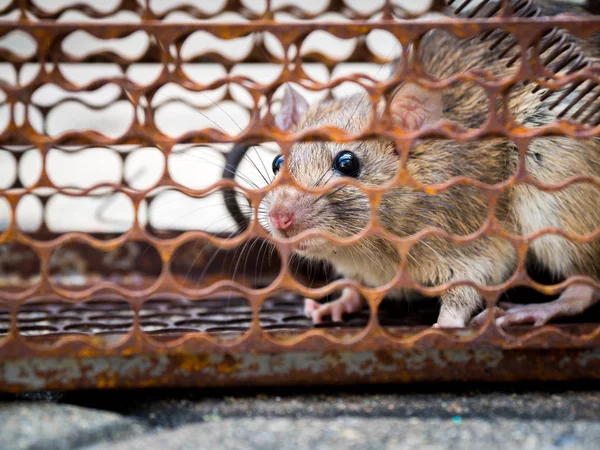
461 210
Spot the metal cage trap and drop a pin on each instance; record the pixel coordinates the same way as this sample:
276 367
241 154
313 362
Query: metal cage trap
135 147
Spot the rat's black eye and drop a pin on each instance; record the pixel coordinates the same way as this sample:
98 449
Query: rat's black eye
347 163
277 162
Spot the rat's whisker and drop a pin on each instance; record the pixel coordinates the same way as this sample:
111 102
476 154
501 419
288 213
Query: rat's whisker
238 261
269 250
387 59
212 258
254 242
266 180
194 108
228 167
191 106
320 179
241 129
327 194
206 244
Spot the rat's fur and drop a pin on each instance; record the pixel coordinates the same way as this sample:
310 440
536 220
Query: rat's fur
461 210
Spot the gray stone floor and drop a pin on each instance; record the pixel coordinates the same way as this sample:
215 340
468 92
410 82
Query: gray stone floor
361 433
542 416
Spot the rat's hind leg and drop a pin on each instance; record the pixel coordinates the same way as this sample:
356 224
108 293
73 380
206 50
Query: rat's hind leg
574 300
349 302
573 209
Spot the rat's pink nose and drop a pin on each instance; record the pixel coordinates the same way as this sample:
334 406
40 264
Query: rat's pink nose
281 220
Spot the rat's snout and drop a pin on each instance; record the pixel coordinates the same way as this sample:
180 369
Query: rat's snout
281 218
288 211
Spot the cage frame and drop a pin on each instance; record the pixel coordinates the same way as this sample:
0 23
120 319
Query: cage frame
317 356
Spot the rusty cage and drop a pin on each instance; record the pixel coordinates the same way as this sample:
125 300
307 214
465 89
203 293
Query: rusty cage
110 112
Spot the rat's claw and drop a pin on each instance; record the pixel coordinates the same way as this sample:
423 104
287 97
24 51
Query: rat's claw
350 302
480 319
505 306
310 306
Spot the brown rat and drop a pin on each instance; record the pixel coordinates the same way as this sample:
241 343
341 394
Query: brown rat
461 210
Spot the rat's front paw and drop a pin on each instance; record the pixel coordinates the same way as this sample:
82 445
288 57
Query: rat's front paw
350 302
449 320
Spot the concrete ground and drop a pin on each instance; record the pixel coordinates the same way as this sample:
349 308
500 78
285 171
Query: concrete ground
542 416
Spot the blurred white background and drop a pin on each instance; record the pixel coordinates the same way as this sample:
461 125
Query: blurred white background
199 166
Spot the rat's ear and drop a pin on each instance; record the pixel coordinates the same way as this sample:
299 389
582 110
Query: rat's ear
293 107
412 106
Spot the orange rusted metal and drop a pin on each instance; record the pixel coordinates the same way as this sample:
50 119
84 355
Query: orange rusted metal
141 323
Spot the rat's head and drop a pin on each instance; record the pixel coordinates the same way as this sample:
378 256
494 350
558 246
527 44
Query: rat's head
344 211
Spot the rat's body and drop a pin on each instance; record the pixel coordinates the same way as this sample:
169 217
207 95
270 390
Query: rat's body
461 210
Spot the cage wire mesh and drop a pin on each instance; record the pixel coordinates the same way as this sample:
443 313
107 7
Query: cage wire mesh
120 261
